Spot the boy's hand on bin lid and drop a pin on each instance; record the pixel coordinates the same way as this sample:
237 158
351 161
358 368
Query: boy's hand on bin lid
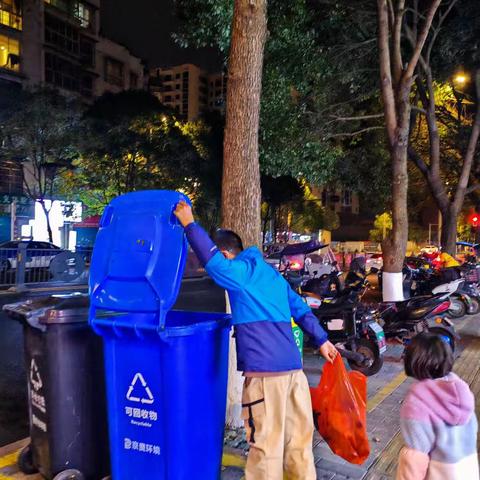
328 351
183 212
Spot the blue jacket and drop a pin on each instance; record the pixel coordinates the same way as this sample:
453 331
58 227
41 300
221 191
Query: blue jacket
263 305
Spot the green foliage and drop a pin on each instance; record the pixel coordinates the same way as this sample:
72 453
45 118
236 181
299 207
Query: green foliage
293 65
40 131
289 205
129 144
382 226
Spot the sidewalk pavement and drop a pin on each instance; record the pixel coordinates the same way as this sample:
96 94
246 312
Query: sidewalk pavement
385 394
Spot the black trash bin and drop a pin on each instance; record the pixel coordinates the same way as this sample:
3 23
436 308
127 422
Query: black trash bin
67 408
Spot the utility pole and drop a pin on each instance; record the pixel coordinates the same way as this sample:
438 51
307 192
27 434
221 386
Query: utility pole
13 218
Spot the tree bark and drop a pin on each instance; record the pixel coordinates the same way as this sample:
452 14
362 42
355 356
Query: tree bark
449 230
396 85
241 194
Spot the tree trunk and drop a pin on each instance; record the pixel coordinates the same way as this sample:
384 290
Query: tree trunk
241 194
395 245
449 231
46 211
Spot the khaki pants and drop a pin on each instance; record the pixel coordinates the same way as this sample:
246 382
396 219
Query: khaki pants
278 418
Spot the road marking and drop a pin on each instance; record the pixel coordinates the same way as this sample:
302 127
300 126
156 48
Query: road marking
8 460
233 460
384 392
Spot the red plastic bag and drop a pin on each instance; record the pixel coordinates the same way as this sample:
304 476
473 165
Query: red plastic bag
340 411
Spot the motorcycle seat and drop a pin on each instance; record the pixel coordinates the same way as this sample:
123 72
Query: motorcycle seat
338 306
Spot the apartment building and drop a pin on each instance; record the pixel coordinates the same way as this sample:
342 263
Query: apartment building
188 90
217 92
117 68
340 200
57 42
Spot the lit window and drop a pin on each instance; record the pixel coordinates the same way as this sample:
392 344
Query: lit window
83 13
10 14
9 53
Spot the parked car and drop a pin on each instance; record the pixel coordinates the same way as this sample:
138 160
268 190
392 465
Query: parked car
39 254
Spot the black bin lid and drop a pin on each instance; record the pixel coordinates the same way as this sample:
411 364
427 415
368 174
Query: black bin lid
54 309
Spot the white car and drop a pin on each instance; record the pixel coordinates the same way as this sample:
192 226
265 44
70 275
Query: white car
39 254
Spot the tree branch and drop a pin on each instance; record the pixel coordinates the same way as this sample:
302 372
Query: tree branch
472 188
437 30
417 160
358 132
412 65
397 42
359 117
386 72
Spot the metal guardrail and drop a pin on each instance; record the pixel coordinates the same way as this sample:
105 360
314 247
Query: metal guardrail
21 266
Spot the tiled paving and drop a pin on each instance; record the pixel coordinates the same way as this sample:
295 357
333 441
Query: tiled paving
386 391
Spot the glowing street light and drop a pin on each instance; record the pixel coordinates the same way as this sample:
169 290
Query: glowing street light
461 79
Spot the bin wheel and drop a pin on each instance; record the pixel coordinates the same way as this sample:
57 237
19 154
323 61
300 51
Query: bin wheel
70 474
25 461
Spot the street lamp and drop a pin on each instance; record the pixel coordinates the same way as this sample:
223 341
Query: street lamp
461 79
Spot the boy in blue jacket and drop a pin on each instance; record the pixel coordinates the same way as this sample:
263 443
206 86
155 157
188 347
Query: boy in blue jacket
276 405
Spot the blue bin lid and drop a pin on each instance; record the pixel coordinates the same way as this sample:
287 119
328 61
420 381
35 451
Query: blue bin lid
138 257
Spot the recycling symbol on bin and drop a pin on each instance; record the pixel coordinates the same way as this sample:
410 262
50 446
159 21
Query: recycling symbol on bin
35 378
146 397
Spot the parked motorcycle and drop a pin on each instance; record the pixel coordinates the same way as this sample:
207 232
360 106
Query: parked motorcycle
404 320
355 329
359 338
425 281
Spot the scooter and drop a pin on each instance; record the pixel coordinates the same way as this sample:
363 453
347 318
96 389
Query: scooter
355 332
424 282
357 336
404 320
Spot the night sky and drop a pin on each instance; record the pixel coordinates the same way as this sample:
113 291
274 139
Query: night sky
145 27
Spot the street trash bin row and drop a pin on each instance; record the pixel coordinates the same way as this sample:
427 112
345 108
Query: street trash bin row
165 371
66 393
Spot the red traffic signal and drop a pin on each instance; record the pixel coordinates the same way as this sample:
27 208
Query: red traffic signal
474 219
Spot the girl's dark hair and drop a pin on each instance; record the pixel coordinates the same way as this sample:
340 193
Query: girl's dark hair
428 356
227 240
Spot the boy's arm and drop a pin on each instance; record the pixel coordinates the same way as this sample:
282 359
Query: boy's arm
231 275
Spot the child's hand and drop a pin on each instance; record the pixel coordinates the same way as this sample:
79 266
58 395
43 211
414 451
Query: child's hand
328 351
183 212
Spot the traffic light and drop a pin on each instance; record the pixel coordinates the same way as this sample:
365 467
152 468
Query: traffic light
474 219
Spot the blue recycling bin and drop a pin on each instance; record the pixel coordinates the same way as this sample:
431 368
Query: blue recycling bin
166 371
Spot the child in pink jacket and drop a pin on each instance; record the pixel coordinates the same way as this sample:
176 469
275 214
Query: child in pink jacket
437 419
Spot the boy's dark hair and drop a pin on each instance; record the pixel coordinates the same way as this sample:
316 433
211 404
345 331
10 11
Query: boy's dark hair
227 240
428 356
